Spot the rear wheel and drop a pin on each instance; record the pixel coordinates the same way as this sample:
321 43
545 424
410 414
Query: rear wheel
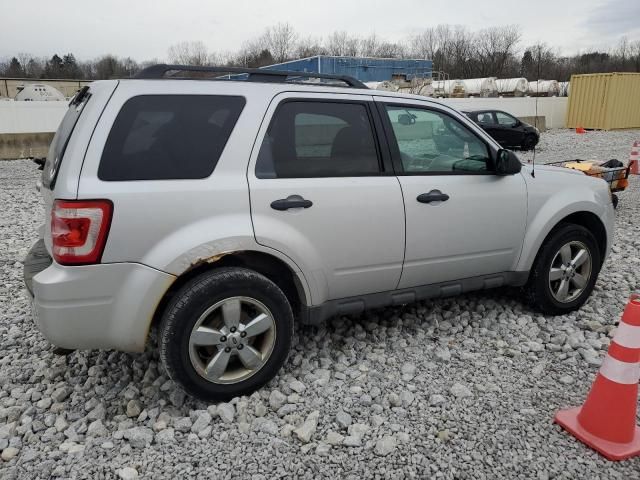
226 333
565 270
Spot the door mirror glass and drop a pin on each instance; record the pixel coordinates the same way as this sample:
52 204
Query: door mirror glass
507 163
406 119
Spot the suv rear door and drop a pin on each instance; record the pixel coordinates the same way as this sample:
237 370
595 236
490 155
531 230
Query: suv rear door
323 192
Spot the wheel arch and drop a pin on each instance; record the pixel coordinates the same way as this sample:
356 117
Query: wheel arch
584 218
272 267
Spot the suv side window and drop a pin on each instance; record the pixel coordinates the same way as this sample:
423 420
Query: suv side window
506 120
162 137
485 118
432 142
319 139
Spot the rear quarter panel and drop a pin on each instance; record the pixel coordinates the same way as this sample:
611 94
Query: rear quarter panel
172 224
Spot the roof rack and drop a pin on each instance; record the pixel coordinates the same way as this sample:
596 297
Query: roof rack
253 74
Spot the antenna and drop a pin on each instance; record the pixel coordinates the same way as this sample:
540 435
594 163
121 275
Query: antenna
533 161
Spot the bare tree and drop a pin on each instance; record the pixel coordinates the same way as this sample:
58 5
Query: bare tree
280 41
424 44
309 47
188 53
369 46
342 44
494 48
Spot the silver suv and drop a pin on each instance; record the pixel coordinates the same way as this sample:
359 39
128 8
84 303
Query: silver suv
224 209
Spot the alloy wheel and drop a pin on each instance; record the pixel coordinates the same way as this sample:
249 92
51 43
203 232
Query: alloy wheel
232 340
570 271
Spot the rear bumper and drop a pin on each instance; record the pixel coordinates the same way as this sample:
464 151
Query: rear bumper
106 306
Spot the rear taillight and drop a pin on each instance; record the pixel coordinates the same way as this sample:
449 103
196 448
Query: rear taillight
79 230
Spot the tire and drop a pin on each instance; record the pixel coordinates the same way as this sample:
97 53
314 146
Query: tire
614 200
542 292
201 305
529 142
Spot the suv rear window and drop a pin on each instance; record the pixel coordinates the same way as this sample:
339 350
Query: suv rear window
62 136
318 139
163 137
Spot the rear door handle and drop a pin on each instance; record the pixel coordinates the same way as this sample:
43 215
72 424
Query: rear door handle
292 201
433 196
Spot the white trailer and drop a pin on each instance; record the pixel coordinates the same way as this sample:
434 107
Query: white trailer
480 87
512 87
544 88
449 88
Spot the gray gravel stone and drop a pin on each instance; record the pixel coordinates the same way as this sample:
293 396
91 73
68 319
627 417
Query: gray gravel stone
459 390
133 409
165 436
61 394
277 399
343 419
226 412
9 454
128 473
139 437
203 419
386 445
305 431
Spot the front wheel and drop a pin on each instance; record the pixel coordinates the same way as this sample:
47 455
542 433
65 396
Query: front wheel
565 270
226 333
529 142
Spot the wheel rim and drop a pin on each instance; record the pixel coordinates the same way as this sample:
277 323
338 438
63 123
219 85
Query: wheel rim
232 340
570 271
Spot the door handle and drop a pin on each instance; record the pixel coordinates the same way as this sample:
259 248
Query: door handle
292 201
433 196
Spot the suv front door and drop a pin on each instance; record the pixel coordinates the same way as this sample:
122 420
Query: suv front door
463 221
323 192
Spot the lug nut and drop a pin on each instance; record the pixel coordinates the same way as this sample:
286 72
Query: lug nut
233 329
243 334
227 349
223 339
240 347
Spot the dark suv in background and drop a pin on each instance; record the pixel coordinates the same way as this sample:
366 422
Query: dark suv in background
506 129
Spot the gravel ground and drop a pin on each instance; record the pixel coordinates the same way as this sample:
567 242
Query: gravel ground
460 388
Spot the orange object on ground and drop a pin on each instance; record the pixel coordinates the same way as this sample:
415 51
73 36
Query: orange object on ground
634 159
580 130
607 420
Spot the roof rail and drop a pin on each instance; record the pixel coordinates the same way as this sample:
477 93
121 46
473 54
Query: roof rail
253 74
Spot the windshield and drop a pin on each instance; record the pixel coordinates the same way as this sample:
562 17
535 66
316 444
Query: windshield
61 138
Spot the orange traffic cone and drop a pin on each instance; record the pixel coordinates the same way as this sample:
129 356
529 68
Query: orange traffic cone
634 159
580 130
607 420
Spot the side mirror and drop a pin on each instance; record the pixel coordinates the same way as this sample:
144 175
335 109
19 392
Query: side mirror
406 119
507 163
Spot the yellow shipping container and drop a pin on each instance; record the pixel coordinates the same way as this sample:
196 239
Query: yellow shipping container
604 101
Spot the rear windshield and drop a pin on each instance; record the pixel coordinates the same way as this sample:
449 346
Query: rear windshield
162 137
61 138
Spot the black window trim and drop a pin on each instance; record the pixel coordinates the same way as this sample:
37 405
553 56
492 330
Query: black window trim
244 104
395 149
383 151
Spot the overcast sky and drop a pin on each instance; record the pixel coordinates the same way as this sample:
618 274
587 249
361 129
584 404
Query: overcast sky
144 29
